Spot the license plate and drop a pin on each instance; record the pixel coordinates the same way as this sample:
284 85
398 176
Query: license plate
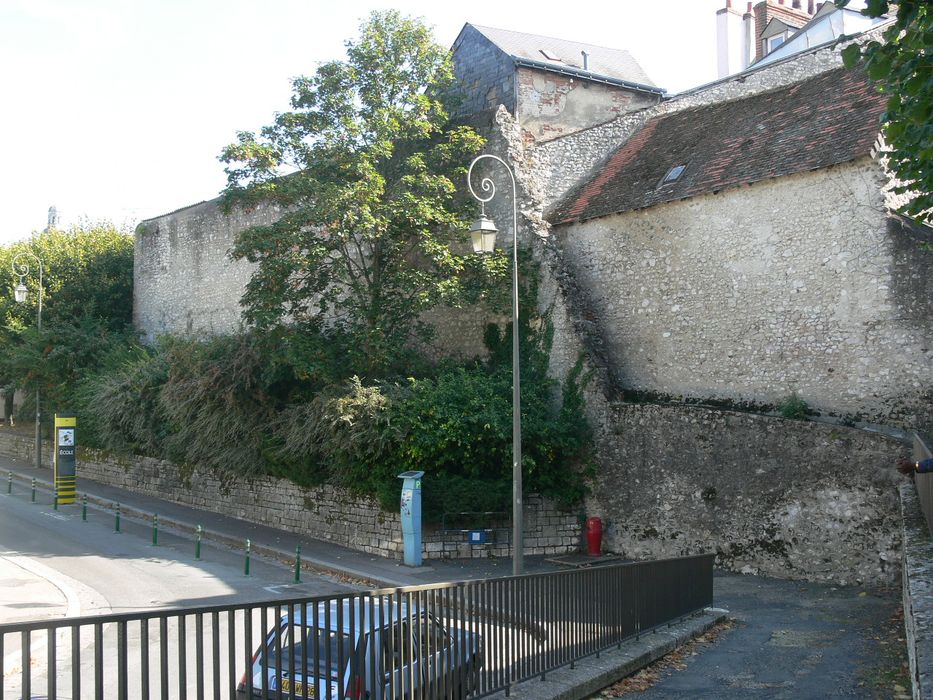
296 688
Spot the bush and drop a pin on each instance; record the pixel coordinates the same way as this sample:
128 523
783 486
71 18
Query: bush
793 407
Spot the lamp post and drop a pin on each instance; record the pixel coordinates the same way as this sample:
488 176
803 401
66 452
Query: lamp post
21 267
483 235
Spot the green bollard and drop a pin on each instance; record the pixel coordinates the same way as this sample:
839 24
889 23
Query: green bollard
9 483
197 544
246 565
155 530
116 526
298 563
84 508
33 490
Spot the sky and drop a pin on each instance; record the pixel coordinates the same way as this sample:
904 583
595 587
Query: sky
117 110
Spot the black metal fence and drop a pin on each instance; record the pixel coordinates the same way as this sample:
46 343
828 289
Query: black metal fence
455 640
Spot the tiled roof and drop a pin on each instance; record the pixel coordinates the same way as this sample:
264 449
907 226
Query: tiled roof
829 119
612 63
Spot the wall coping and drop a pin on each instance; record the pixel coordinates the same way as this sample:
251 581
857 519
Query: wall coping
917 591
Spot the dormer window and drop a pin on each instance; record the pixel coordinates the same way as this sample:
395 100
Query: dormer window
771 43
673 175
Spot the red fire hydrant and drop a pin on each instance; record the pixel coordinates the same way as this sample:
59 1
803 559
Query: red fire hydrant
594 536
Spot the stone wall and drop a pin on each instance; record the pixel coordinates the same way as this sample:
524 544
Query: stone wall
184 281
324 513
792 499
797 284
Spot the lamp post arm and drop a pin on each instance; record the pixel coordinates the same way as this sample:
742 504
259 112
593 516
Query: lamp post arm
488 186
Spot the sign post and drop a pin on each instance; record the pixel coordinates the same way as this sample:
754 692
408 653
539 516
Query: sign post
65 447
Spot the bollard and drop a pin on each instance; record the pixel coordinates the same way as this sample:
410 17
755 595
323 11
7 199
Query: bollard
246 564
33 490
9 483
298 563
55 500
155 530
84 508
116 527
197 544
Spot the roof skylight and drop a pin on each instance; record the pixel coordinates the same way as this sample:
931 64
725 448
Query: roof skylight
673 175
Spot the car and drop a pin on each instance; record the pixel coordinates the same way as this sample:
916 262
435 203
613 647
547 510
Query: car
364 648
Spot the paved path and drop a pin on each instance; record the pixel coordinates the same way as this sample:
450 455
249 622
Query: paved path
793 640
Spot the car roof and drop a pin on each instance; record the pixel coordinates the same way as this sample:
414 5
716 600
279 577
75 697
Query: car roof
329 612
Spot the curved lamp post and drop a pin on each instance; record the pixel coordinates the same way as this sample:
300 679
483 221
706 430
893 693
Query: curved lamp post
21 267
483 235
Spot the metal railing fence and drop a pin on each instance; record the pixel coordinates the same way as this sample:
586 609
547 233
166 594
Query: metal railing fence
455 640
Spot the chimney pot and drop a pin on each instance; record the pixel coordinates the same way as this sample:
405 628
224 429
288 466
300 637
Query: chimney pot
796 4
810 7
728 4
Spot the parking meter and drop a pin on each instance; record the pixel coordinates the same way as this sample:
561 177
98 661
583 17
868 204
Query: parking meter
411 516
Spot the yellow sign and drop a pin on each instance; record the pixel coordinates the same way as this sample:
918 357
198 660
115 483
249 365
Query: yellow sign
65 459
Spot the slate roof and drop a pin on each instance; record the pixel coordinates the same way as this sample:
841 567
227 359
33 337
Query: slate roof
617 64
829 119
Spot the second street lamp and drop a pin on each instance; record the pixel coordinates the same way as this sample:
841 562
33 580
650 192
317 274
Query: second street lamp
20 293
483 235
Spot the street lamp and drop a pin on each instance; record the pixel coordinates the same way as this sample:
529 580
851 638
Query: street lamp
21 268
483 235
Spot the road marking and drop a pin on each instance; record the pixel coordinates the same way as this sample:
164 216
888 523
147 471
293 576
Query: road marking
57 516
72 609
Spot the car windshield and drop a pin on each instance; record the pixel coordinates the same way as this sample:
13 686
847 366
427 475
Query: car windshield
297 652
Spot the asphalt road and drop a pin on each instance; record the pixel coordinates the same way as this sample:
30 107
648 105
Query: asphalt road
53 564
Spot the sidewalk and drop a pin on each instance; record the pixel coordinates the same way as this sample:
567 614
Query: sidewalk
368 569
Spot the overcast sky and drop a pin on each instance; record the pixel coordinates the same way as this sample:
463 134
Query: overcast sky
118 109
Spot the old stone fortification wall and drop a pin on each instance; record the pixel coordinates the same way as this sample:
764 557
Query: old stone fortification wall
184 281
793 499
792 285
324 513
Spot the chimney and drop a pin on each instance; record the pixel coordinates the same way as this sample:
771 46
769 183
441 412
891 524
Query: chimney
586 60
730 41
809 7
796 4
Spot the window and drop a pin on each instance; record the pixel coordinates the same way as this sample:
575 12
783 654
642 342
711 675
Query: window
673 175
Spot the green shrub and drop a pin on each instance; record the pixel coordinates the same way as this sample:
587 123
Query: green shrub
793 407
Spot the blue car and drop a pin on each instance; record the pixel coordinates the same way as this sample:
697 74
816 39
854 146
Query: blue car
364 648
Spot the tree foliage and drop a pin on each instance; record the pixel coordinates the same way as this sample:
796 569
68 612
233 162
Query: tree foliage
903 63
365 169
87 292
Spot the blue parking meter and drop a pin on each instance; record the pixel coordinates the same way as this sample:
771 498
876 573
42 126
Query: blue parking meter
411 516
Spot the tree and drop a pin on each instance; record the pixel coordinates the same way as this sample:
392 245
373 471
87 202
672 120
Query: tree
87 308
903 63
366 170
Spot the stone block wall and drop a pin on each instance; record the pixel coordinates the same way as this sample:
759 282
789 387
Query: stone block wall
184 281
796 284
792 499
325 513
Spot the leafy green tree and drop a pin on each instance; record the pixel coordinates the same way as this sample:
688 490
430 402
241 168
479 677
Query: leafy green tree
87 309
903 63
366 169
